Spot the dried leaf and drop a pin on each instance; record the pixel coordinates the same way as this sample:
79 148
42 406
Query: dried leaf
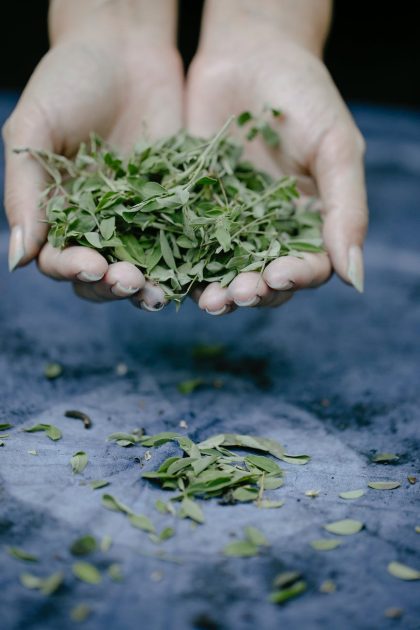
99 483
325 544
351 494
84 545
384 485
402 571
21 554
346 527
79 462
285 594
111 503
141 522
86 572
384 458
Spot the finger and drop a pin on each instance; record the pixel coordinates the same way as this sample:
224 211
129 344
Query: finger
24 182
151 298
339 172
122 280
292 273
248 289
215 300
73 263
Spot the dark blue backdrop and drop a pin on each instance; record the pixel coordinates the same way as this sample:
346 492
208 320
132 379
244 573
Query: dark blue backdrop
359 353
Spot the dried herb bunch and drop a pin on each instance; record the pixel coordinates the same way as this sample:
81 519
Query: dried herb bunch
182 209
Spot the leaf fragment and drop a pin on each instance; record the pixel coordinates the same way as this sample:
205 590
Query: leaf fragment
53 371
111 503
285 594
384 458
80 613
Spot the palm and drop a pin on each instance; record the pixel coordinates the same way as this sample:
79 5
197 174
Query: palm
218 89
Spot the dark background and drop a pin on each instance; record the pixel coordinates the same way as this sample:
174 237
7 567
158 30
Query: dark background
373 51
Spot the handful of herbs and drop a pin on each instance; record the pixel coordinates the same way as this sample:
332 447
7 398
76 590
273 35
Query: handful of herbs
183 209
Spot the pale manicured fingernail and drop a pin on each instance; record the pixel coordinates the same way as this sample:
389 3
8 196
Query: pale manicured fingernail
152 309
221 311
89 277
281 285
121 291
16 247
355 268
252 302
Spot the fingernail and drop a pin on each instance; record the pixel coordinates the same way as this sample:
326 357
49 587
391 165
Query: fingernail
16 247
152 309
119 290
355 268
89 277
221 311
281 285
252 302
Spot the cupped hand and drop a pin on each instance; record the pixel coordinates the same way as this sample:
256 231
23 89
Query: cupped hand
116 89
320 145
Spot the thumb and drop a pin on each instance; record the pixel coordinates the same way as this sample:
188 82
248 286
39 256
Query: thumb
24 182
339 172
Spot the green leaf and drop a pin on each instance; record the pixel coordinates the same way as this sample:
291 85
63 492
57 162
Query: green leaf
346 527
159 438
190 385
264 463
285 594
402 571
254 536
79 462
205 351
115 572
243 118
84 545
51 431
53 370
352 494
5 426
241 549
80 613
384 485
325 544
99 483
141 522
111 503
167 254
286 578
245 494
267 504
47 586
93 239
21 554
191 509
107 228
383 458
86 572
105 544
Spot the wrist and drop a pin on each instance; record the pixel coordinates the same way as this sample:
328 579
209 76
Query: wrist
151 24
245 24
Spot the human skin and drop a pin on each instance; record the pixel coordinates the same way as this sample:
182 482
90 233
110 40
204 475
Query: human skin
256 53
113 67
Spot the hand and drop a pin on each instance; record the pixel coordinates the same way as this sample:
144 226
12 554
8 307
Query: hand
104 83
320 145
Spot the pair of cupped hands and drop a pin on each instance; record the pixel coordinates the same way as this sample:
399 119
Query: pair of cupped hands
99 85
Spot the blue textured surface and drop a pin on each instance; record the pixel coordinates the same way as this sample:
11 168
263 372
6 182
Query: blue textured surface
359 353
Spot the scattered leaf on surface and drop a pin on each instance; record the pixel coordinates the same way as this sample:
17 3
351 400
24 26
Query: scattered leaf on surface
402 571
325 544
384 485
346 527
352 494
86 572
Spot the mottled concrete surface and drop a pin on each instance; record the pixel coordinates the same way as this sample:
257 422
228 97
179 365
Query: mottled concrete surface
332 374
